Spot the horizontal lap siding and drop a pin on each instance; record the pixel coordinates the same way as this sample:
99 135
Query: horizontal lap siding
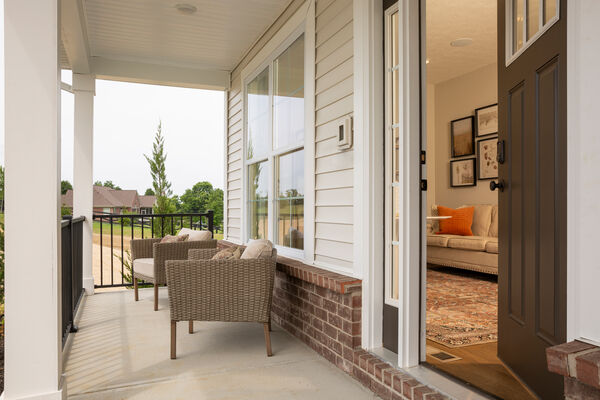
333 168
234 162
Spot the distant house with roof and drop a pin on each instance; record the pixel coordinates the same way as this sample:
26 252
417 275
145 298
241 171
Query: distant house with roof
112 201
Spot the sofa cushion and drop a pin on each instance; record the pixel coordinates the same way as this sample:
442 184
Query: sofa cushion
437 240
195 235
261 248
482 218
493 232
475 243
144 266
492 246
459 224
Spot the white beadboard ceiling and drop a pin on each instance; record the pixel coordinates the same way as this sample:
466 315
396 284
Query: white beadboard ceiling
154 32
450 20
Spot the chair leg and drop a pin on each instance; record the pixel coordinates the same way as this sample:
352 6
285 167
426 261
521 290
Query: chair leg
135 289
268 339
270 327
173 340
191 327
156 297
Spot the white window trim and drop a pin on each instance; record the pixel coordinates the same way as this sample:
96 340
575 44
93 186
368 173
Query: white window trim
510 57
302 22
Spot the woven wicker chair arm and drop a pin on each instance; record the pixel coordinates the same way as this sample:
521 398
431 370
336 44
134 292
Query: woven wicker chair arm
201 254
142 248
175 251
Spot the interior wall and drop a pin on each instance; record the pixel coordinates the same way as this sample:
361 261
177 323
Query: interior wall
430 148
457 98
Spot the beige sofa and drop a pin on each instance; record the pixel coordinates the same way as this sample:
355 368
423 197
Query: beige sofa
477 253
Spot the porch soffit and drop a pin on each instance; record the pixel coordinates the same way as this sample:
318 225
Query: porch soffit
166 46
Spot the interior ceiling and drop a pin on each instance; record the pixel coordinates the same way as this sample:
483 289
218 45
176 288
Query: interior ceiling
450 20
153 31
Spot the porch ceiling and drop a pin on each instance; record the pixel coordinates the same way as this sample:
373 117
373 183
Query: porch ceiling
108 36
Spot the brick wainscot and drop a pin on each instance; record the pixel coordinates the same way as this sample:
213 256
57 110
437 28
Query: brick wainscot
579 363
323 309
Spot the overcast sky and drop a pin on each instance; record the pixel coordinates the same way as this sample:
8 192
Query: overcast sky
126 116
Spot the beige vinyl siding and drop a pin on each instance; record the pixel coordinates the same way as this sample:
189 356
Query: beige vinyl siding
334 89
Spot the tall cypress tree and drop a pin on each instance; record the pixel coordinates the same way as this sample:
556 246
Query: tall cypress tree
162 187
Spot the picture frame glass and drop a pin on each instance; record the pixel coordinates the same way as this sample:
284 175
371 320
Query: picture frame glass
487 151
462 137
486 119
462 172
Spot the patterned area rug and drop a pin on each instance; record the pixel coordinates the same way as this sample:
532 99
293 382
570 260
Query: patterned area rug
462 307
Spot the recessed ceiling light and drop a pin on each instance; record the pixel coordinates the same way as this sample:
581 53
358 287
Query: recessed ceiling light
462 42
186 9
427 61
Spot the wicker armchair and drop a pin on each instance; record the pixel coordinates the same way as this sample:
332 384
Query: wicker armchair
148 258
201 289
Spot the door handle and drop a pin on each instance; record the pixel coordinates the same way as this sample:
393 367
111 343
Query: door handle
497 185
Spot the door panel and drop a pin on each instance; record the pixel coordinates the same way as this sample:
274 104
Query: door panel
532 207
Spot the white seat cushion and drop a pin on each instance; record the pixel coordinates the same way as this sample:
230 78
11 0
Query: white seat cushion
144 266
195 235
261 248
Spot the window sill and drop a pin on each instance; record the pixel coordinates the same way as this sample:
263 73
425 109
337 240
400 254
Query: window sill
326 279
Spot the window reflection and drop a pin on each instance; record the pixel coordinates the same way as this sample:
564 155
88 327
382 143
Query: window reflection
258 200
258 115
290 200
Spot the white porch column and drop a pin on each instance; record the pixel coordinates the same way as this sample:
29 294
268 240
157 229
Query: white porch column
33 353
84 87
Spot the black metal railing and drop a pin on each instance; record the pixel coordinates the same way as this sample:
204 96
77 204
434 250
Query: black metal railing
121 228
72 272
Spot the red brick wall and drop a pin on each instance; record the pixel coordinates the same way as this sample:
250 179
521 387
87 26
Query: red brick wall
323 310
579 363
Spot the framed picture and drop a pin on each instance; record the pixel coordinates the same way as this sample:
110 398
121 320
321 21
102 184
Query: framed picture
462 173
486 156
462 137
486 119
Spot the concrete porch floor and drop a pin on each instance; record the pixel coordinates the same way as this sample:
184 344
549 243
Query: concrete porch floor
122 352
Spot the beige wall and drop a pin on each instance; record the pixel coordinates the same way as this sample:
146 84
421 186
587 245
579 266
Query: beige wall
457 98
430 149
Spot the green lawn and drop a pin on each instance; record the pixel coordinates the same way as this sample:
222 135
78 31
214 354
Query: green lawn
137 231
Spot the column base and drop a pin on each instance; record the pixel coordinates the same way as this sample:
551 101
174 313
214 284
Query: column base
88 285
58 395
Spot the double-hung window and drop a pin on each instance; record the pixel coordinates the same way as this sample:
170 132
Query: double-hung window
275 150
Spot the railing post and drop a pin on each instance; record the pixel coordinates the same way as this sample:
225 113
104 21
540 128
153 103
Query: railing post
211 215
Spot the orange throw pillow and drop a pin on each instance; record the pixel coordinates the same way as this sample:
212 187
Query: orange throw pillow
459 224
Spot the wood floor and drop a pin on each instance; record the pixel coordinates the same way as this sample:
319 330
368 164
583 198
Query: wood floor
480 367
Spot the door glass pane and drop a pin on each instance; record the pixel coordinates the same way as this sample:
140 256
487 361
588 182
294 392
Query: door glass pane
396 155
549 10
258 115
394 40
288 95
258 194
533 17
393 279
290 200
395 212
518 23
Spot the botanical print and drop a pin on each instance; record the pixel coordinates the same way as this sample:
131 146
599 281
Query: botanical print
463 172
488 165
462 137
487 120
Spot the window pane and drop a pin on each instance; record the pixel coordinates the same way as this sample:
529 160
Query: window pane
288 95
395 212
518 23
549 10
290 200
258 115
394 41
396 155
393 279
258 196
395 97
533 17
